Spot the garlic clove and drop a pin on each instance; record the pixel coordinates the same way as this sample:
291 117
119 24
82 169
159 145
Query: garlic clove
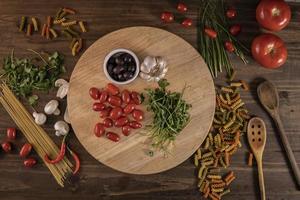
161 62
145 68
60 82
144 76
66 116
165 70
150 62
63 91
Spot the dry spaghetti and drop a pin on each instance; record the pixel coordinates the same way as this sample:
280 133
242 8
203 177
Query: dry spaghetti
39 139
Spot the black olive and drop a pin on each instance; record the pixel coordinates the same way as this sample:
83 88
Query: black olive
111 60
127 58
121 77
118 69
115 77
131 68
110 68
119 61
130 75
126 75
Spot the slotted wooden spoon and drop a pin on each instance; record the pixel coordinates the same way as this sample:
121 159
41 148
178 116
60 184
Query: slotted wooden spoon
257 136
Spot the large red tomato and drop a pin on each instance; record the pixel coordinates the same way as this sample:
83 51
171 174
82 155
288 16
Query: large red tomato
273 15
269 50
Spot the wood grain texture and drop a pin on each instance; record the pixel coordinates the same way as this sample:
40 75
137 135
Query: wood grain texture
186 69
101 182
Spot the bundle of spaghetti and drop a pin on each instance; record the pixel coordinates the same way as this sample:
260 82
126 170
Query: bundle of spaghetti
39 139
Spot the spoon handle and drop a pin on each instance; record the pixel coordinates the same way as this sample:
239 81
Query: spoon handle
261 179
287 148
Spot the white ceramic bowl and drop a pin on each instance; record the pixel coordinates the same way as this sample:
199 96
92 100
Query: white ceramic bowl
108 56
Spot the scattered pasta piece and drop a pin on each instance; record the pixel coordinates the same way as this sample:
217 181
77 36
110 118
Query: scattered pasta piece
82 27
35 24
250 159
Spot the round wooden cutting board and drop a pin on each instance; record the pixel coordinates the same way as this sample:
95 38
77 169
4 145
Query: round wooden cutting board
186 67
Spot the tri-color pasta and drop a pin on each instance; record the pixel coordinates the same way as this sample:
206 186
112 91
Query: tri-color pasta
68 27
213 158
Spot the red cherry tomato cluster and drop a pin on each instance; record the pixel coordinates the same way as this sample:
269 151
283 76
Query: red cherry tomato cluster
25 150
234 30
116 109
168 17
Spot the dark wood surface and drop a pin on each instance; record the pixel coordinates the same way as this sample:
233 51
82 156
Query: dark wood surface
100 182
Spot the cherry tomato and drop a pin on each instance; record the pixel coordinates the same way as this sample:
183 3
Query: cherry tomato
235 29
181 7
30 162
114 100
99 129
126 130
187 22
94 93
229 46
25 150
135 125
136 98
113 136
167 17
231 13
105 113
138 115
210 33
126 96
98 106
6 146
108 122
11 133
121 121
116 113
129 108
103 96
269 50
273 15
112 89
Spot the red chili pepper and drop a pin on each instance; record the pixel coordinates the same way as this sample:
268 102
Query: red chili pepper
181 7
229 46
210 32
235 29
11 133
187 22
167 17
61 154
30 162
76 159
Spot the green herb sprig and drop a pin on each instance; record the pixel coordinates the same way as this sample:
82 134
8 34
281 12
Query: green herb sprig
212 15
24 75
170 114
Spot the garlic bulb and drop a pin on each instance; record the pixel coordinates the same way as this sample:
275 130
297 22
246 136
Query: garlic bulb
153 68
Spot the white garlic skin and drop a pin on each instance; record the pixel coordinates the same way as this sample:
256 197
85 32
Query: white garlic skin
153 68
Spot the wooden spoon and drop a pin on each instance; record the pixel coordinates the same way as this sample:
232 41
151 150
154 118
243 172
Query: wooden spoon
257 137
269 98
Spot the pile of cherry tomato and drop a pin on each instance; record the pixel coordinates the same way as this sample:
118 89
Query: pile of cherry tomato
25 150
168 17
115 108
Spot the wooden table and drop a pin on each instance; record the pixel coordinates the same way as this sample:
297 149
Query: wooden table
100 182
